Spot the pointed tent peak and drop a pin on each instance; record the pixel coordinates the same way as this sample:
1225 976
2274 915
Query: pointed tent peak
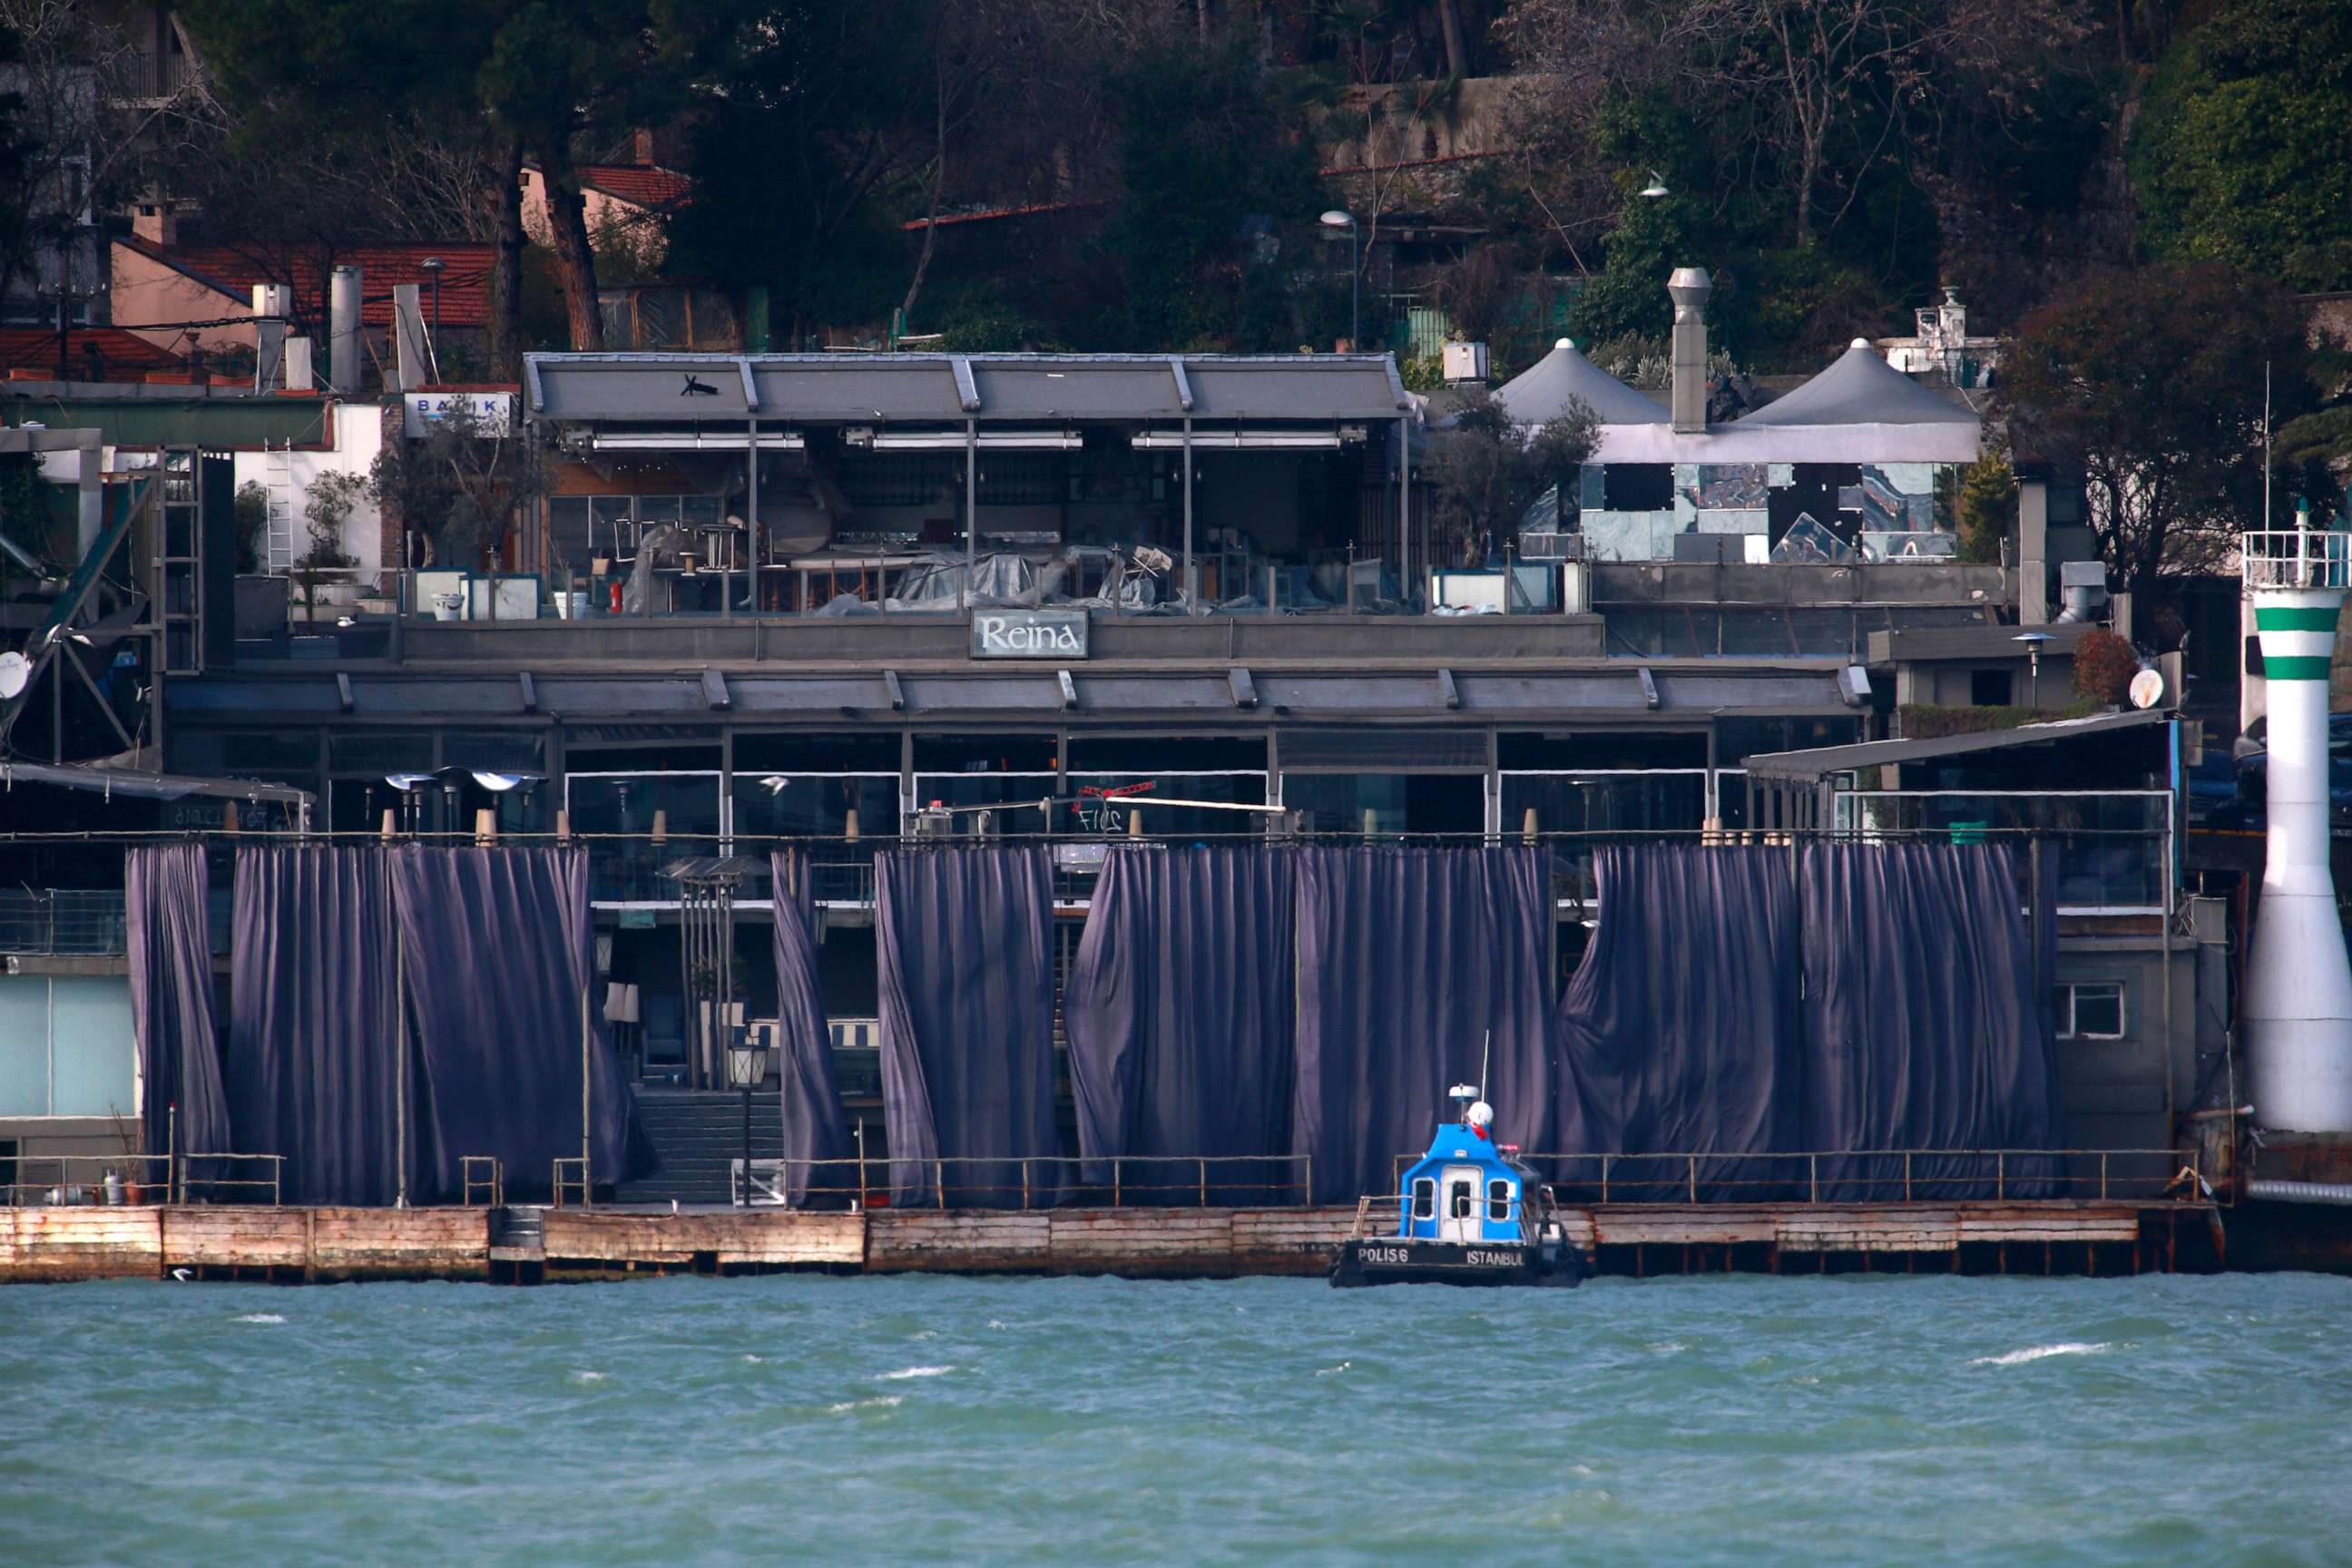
1542 391
1860 388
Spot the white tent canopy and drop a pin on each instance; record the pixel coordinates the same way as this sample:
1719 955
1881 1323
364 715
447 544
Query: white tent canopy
1860 388
1542 392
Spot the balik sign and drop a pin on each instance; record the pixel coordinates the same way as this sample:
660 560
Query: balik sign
493 412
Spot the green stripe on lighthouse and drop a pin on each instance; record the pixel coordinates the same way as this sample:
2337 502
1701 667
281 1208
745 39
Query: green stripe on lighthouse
2294 617
2294 667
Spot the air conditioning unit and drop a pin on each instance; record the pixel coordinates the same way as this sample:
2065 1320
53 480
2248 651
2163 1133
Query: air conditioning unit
1465 361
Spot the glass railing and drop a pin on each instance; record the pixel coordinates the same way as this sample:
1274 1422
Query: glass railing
2115 848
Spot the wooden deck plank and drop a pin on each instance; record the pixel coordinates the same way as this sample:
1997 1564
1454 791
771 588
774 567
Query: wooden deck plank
399 1243
98 1242
756 1237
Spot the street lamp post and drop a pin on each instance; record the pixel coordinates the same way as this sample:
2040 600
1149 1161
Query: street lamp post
1336 218
747 1063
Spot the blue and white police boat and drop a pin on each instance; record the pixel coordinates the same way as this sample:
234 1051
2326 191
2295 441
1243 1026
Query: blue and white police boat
1471 1213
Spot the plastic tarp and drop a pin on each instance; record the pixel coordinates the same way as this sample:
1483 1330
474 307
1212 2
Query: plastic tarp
172 1015
1681 1031
1408 960
815 1129
1922 1031
312 1072
1179 1010
495 944
964 943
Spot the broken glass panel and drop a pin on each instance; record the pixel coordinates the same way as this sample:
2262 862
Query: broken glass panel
1807 542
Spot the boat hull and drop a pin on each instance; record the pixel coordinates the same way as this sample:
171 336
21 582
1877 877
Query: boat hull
1404 1261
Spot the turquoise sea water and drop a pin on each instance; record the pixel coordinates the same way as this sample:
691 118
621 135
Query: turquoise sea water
1742 1420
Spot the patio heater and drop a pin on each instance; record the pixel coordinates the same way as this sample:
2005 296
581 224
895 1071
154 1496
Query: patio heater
2032 641
2298 996
707 886
747 1063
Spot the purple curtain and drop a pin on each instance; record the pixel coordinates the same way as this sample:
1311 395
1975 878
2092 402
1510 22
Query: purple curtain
496 944
1923 1027
172 1002
964 940
815 1129
1408 959
313 1073
1179 1010
1681 1031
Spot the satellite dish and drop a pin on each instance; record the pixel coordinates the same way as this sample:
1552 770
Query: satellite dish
15 671
2147 689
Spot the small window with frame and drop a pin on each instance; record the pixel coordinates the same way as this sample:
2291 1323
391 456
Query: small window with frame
2091 1010
1498 1199
1424 1198
1460 1204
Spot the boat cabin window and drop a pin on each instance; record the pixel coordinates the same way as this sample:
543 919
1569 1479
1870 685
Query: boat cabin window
1498 1199
1424 1198
1459 1202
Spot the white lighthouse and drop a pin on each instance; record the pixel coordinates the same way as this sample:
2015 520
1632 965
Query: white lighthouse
2298 1003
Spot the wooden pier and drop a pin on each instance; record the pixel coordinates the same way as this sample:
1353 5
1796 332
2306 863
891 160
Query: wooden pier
533 1246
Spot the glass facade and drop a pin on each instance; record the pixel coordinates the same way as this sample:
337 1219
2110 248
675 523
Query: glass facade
685 807
66 1047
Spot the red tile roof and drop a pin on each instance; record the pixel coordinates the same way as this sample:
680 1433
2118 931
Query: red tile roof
640 184
464 280
114 353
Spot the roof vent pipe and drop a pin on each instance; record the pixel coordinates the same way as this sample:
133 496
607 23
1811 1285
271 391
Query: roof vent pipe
343 331
1689 288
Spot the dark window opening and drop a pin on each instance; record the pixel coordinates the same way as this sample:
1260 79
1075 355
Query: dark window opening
1991 687
1637 487
1460 1201
1424 1198
1499 1200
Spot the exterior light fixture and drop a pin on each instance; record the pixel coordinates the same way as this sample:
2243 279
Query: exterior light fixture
747 1063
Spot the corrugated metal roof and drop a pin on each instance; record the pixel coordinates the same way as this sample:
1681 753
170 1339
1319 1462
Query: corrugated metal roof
1034 690
1822 761
686 388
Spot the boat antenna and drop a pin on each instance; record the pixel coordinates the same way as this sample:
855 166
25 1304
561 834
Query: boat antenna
1485 1057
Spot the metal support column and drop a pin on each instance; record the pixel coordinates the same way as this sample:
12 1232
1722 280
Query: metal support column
751 506
970 510
1190 582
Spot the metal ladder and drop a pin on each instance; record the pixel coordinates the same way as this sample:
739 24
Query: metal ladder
277 483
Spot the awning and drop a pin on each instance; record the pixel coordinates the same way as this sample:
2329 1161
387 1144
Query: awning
146 786
1822 761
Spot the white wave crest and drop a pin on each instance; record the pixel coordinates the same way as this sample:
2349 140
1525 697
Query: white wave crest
883 1402
2037 1352
917 1371
1327 1371
586 1377
259 1318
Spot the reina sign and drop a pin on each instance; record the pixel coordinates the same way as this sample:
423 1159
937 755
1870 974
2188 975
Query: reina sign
1028 634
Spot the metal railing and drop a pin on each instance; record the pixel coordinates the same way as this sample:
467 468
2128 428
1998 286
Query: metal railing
75 1181
2296 558
569 1174
69 921
485 1174
1869 1175
1045 1180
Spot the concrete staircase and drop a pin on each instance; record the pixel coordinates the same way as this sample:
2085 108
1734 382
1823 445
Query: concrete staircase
699 1133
